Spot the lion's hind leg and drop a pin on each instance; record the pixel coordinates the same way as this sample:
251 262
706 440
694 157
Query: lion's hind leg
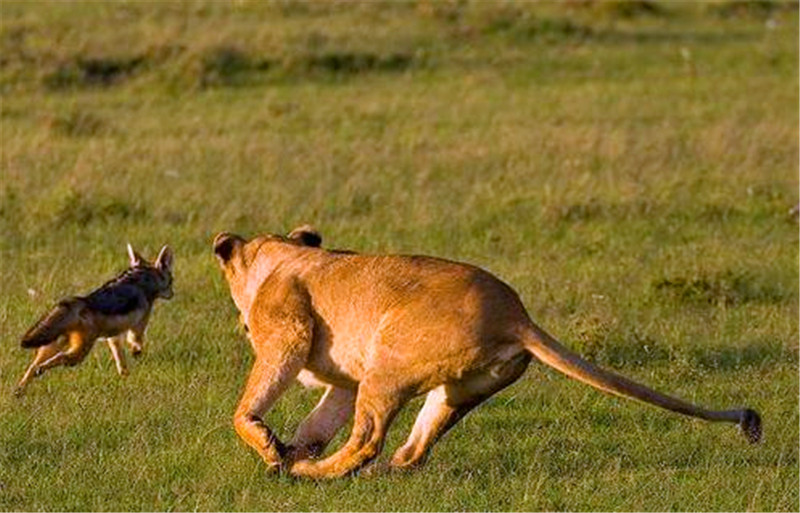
377 403
433 420
318 429
446 405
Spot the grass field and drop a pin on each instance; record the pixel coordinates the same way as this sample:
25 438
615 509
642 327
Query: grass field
628 167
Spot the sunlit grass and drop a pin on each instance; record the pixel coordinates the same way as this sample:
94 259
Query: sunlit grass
630 173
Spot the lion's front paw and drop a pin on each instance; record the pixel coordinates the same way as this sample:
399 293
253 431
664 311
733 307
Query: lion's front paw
273 467
302 468
309 469
273 458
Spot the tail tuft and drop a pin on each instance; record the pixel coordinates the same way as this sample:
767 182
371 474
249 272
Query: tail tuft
51 325
750 424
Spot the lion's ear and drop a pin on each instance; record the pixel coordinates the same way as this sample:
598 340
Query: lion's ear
224 246
306 236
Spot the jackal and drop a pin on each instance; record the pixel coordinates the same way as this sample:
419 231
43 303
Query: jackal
118 310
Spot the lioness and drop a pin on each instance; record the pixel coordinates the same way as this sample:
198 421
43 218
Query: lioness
377 330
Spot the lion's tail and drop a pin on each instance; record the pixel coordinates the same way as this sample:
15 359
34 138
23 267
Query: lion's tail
53 324
550 351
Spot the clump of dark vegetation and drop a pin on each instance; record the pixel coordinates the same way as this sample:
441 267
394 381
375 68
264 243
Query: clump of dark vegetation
12 214
10 203
586 211
629 8
768 202
750 8
231 66
221 66
359 204
596 210
719 213
633 349
727 288
510 20
91 72
357 62
227 65
774 200
77 123
78 209
615 347
518 24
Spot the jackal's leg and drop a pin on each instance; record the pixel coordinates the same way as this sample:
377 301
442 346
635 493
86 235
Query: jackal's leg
115 344
43 354
321 425
446 405
135 338
78 346
377 403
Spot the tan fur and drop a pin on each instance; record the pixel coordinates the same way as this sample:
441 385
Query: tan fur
66 334
377 330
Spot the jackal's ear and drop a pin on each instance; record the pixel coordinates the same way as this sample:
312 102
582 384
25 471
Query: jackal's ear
164 259
224 246
134 257
306 236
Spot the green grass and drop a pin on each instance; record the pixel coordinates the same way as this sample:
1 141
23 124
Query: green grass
627 167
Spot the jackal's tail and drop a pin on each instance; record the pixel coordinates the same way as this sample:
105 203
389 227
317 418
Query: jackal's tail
548 350
53 324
